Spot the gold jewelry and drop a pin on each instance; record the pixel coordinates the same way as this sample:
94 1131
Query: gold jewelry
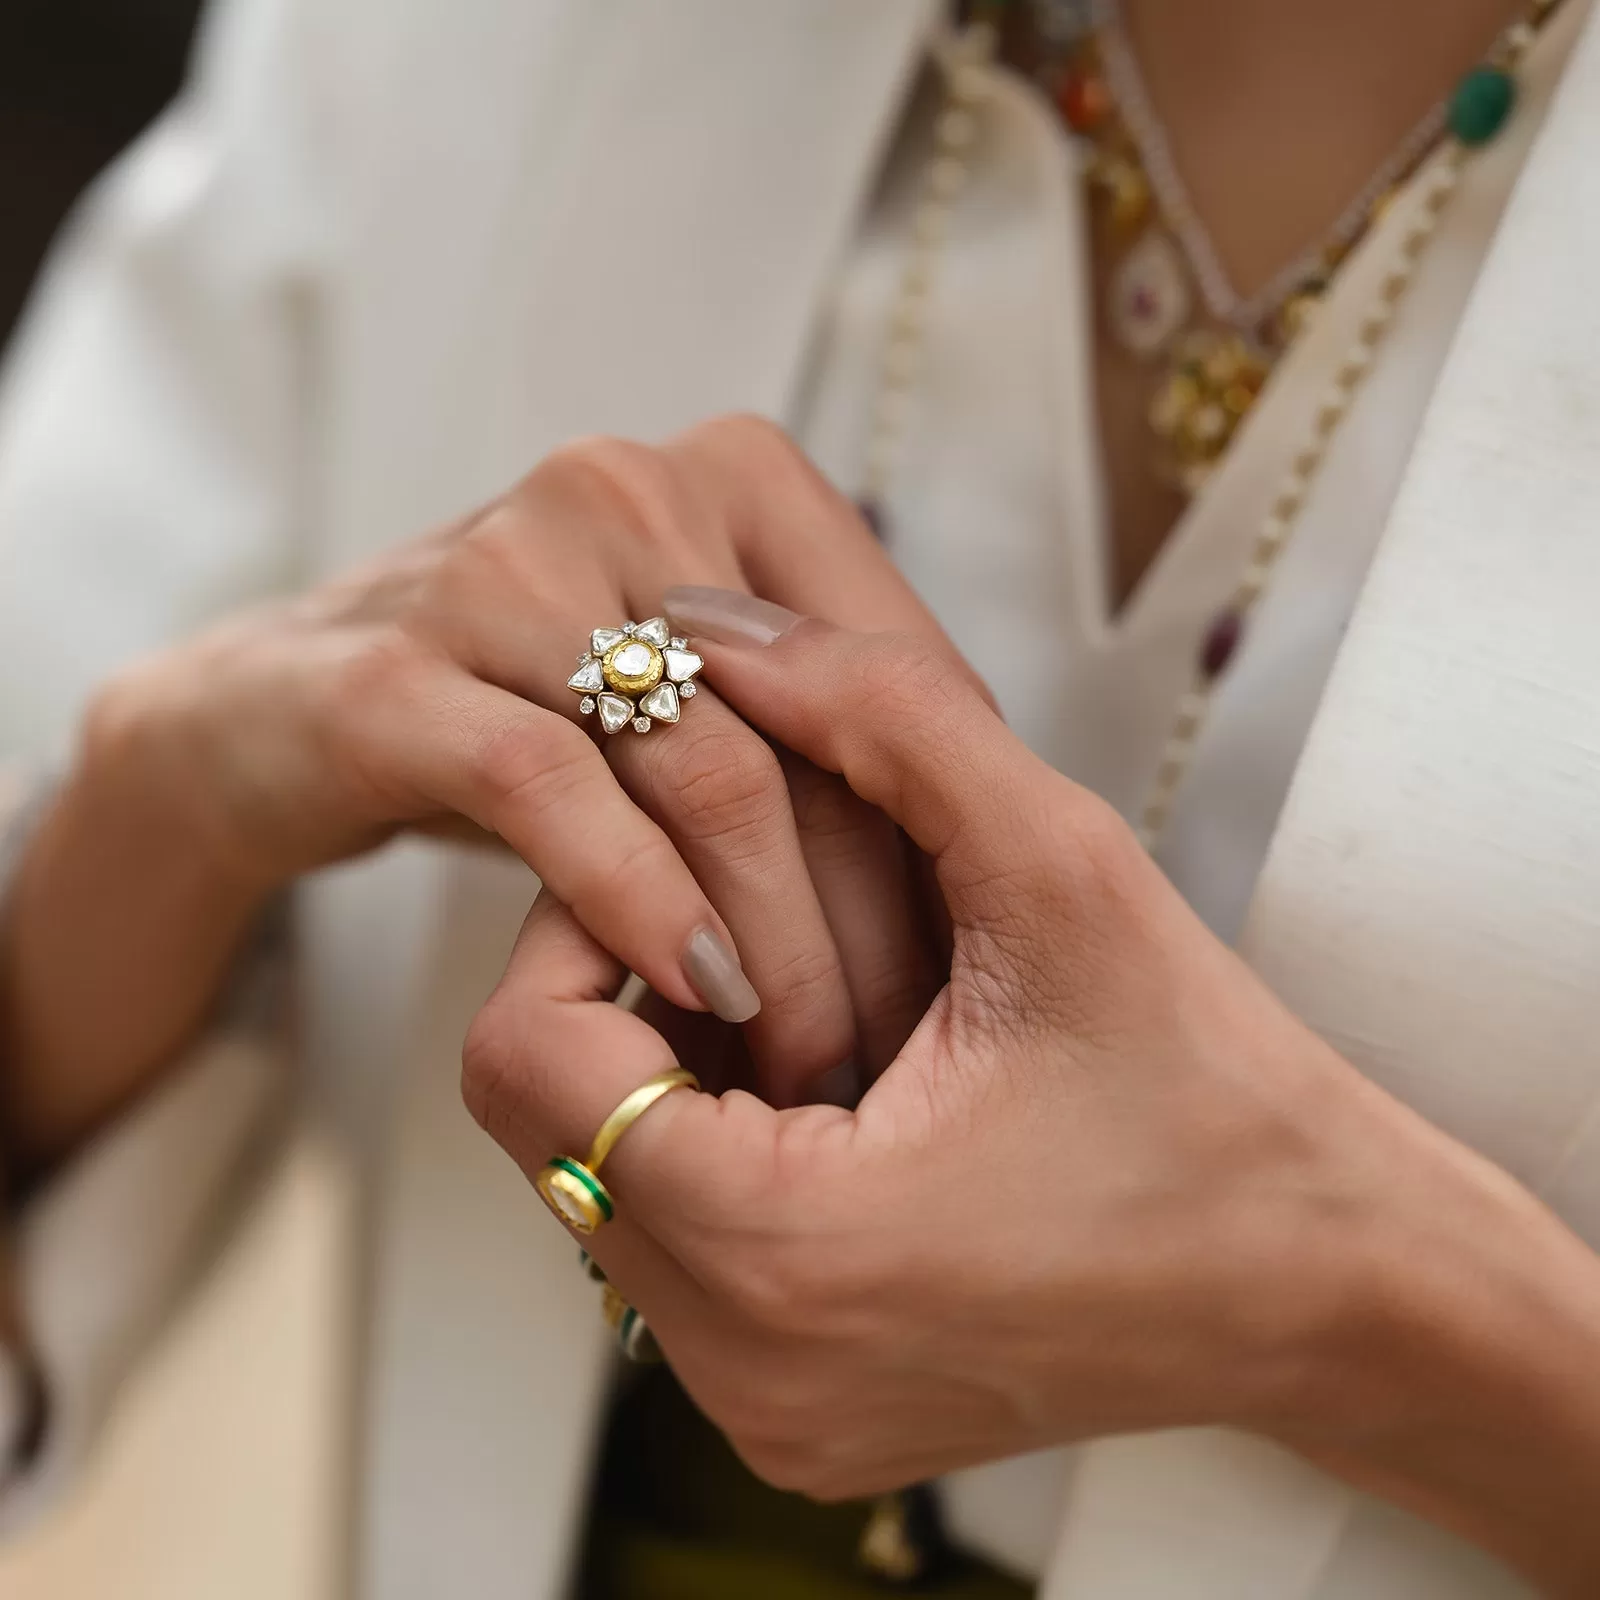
634 1337
639 673
572 1189
1218 384
634 1107
1477 111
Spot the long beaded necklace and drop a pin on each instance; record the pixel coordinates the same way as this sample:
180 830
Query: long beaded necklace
1473 115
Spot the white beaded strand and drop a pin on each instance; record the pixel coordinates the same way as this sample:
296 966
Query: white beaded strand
966 69
943 180
1194 709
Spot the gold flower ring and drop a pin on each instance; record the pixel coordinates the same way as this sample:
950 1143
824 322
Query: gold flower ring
638 674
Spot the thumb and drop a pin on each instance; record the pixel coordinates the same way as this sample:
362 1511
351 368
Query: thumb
904 724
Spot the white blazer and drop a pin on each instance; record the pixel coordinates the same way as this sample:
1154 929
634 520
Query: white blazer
382 256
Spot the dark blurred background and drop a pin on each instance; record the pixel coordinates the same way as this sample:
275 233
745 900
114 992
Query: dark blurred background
78 79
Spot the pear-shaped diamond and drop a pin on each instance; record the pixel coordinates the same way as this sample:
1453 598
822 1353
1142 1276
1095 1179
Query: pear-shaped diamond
655 630
602 639
614 712
661 703
587 678
682 664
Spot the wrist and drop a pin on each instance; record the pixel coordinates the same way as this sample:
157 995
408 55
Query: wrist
120 925
1457 1370
151 766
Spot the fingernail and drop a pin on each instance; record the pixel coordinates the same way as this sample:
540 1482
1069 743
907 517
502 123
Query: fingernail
714 971
725 616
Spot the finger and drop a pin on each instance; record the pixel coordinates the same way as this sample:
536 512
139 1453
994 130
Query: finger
892 714
712 784
857 858
447 740
549 1057
718 790
525 1090
799 541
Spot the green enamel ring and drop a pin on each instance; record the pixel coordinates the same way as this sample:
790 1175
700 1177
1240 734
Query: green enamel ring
575 1194
637 1341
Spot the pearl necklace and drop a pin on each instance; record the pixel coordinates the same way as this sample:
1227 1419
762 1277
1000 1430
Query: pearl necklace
1475 114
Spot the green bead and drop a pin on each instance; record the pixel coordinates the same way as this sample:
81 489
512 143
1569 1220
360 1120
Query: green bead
1481 104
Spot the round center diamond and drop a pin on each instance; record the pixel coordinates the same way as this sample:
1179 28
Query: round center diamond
632 666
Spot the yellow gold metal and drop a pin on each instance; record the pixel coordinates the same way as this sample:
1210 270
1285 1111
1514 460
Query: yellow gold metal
574 1194
612 1307
632 683
571 1188
632 1109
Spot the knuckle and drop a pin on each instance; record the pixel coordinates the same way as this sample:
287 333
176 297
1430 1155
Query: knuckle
905 677
494 544
494 558
768 1287
488 1067
627 483
742 448
748 435
722 783
1096 856
790 1288
379 666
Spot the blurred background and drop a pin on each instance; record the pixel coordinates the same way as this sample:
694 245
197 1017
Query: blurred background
168 1500
78 79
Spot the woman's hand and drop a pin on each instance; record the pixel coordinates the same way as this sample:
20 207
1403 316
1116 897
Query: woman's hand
1108 1184
429 690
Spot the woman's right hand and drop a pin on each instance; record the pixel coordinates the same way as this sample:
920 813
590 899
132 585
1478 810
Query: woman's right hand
429 690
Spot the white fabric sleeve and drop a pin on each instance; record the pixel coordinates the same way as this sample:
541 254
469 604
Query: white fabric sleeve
157 419
105 1247
158 407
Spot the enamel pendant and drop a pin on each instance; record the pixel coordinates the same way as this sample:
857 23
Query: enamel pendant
1150 297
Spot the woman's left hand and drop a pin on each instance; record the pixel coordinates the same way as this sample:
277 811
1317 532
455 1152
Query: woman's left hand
1109 1183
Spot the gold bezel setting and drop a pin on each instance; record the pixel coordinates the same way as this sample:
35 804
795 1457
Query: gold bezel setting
635 676
575 1195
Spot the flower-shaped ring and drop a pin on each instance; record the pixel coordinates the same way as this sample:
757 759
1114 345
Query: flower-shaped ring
638 673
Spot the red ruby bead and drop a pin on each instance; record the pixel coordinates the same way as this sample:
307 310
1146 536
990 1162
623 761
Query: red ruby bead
1084 100
1222 640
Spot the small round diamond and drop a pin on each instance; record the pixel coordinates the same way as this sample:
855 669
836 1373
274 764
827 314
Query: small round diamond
678 644
687 691
586 705
641 724
630 627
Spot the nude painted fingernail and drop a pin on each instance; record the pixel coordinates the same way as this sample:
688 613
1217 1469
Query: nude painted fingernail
725 616
714 971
